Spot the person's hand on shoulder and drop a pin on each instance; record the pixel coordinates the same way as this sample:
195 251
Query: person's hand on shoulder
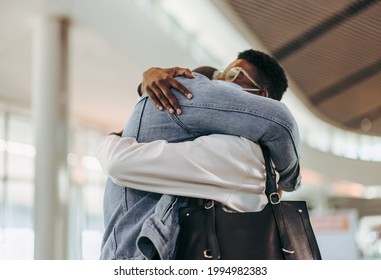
157 82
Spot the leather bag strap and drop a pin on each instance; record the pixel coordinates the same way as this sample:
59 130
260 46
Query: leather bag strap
274 200
212 251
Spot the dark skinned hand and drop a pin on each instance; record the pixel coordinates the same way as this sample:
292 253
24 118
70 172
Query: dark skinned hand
157 82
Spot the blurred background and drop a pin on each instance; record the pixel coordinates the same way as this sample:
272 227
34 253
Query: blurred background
69 70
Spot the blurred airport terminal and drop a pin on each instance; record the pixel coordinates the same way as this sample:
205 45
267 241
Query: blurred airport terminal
69 70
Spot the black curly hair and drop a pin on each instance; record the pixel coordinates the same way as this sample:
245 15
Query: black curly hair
271 74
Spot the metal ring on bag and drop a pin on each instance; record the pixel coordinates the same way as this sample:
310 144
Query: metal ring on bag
209 206
288 251
277 201
208 254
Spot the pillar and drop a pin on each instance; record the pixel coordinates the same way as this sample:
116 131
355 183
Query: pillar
50 107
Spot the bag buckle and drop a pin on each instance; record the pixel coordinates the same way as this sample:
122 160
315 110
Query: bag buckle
288 251
209 204
208 254
274 198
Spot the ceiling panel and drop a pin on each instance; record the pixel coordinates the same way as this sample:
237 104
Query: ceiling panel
330 49
354 102
264 18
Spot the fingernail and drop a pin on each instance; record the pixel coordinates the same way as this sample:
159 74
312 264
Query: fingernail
178 111
171 111
160 108
189 95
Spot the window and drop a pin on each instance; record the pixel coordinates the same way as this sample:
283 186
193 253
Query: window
17 174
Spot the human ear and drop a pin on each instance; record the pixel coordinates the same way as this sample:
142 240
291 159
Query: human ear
264 93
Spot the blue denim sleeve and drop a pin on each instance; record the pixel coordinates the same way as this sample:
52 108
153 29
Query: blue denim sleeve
216 108
219 109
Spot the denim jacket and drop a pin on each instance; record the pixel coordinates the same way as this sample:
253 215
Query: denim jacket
142 225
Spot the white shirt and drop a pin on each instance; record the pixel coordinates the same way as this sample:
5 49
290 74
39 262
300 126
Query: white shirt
228 169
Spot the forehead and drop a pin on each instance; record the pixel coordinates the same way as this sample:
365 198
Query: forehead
245 65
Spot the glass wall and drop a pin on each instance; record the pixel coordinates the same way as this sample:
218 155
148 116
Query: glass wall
17 155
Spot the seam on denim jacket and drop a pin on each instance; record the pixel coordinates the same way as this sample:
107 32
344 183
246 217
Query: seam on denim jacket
168 209
142 103
113 244
124 199
238 110
183 126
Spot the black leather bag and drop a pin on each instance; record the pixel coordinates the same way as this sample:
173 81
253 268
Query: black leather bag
281 231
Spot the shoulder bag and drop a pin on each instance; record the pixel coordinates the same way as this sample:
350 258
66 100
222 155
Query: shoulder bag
281 231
